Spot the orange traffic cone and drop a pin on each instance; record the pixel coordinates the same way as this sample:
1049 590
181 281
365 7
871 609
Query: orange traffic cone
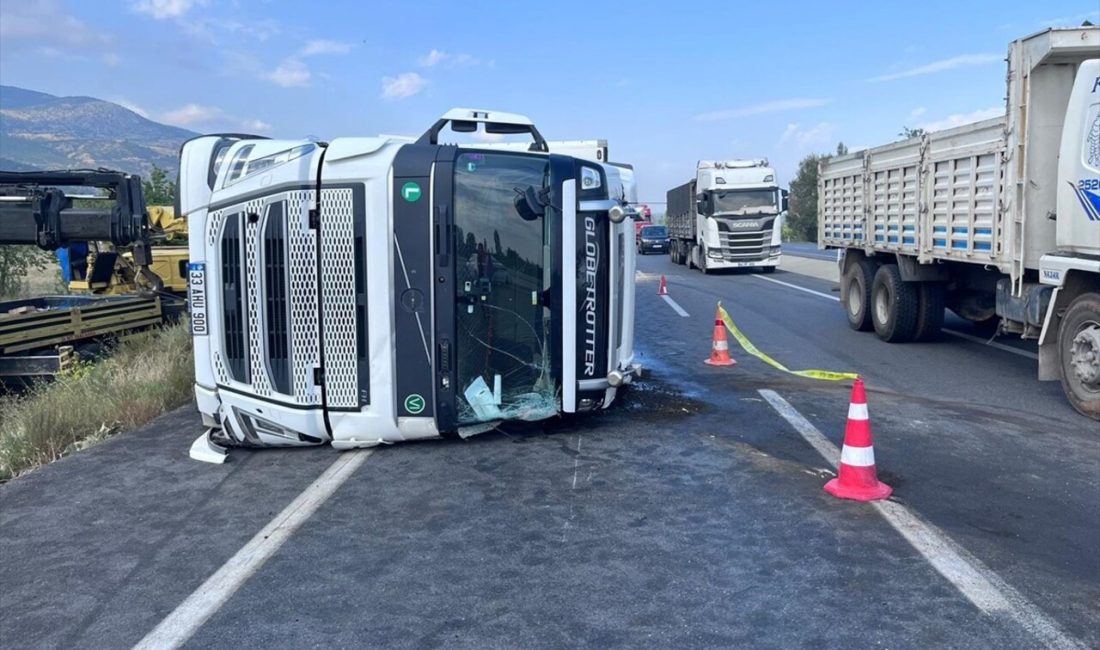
857 478
719 347
662 289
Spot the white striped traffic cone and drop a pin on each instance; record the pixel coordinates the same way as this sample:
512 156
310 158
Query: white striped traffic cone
857 478
719 346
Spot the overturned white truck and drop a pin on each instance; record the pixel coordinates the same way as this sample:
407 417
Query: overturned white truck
374 290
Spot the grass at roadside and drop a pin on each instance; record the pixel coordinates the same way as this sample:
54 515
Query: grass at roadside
146 375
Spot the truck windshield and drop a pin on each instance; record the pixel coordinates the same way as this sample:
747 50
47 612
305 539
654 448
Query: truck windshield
743 201
503 359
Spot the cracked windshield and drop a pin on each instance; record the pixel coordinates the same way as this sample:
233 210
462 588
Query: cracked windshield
504 361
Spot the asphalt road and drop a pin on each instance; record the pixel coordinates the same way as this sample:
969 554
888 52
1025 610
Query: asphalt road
810 250
689 515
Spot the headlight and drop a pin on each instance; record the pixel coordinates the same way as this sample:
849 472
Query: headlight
590 178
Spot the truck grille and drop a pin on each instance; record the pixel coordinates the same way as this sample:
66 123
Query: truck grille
234 318
275 298
744 245
270 303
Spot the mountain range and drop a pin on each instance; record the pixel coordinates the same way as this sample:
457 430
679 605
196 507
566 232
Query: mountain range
43 131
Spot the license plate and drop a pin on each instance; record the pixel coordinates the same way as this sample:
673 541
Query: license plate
196 298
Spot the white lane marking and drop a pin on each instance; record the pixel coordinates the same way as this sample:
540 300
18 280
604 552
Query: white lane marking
188 617
795 286
993 344
967 573
675 306
577 462
961 335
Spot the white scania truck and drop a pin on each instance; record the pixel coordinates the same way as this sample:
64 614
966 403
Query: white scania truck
729 216
998 220
373 290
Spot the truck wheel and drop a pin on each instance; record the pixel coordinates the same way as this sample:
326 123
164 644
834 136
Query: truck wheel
690 257
1079 354
894 305
930 311
703 260
857 280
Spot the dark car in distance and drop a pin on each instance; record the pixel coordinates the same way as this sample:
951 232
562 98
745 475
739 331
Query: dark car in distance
653 239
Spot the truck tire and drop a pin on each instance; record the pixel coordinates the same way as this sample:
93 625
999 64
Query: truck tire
703 260
929 312
1079 354
894 305
690 257
857 281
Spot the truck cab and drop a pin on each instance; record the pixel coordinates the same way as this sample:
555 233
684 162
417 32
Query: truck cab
374 290
729 216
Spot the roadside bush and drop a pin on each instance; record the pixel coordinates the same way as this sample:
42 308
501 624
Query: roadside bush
146 375
16 263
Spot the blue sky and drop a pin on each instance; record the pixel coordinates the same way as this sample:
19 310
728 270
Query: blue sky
664 82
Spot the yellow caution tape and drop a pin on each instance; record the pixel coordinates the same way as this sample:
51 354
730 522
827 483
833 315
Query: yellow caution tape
747 346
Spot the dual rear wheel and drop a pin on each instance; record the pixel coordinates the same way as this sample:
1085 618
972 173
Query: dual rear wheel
877 298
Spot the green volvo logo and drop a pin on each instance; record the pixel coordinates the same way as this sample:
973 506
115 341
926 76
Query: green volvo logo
414 404
410 192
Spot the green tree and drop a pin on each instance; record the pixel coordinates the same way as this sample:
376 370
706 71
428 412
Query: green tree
841 149
802 212
907 132
159 189
16 262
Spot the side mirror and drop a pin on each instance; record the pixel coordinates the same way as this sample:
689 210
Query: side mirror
784 200
530 203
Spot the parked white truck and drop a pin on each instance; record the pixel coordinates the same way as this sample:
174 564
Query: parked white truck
998 220
373 290
729 216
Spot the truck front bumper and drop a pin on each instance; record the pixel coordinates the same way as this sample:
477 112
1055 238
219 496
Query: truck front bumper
723 262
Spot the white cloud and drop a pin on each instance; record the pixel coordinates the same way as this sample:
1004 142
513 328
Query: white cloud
324 46
255 125
222 30
192 114
775 106
1071 21
941 65
958 119
161 9
481 136
446 59
32 23
129 105
815 136
403 85
290 73
917 112
198 115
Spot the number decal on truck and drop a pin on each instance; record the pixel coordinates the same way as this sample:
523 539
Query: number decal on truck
196 281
